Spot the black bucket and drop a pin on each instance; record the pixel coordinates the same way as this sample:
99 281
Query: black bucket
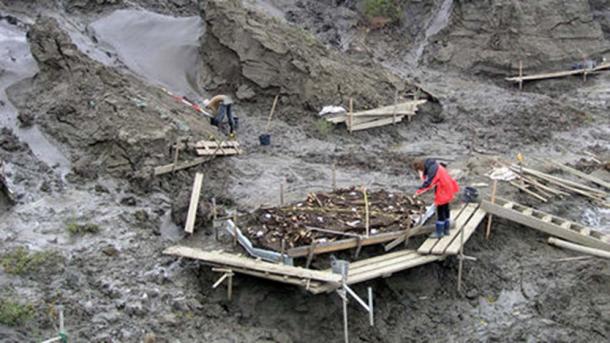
265 139
470 194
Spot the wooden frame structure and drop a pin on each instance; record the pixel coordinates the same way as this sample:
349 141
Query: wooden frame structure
551 75
548 223
381 116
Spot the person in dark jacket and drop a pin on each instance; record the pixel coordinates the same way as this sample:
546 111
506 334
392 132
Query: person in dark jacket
436 176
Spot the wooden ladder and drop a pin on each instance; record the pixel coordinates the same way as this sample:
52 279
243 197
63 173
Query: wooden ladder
548 223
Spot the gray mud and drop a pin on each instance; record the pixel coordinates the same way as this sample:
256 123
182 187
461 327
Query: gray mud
90 87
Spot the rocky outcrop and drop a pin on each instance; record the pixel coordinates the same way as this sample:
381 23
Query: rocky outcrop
490 36
110 122
245 49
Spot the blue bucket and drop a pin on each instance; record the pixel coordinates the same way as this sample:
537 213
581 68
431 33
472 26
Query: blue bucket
265 139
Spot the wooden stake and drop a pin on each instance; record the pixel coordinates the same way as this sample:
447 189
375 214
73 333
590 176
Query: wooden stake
194 204
271 113
334 177
281 193
493 201
350 115
230 286
176 154
520 75
366 211
214 217
283 250
235 228
312 249
461 265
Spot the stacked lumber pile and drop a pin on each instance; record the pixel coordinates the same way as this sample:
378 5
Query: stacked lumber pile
225 148
544 186
377 117
326 217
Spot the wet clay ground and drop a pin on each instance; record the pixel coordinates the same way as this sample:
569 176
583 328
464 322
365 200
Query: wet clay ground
84 123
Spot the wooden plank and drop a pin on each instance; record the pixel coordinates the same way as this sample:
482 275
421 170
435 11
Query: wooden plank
372 260
581 174
284 279
530 192
547 218
563 182
548 228
227 259
171 167
557 74
456 216
386 260
444 242
216 144
218 152
393 268
566 225
345 244
192 212
410 106
528 211
369 119
376 123
469 229
579 248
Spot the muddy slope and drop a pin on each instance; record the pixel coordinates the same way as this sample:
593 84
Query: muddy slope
254 55
111 122
492 36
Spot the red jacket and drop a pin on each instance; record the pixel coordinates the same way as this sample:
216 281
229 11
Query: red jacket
446 186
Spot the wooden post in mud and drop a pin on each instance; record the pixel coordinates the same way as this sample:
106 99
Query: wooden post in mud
235 228
282 193
461 264
350 115
214 217
268 126
520 75
176 154
493 201
334 176
366 211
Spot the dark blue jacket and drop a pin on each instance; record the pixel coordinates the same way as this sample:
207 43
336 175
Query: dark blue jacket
430 168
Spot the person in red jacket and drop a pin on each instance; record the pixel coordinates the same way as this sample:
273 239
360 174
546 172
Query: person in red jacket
436 176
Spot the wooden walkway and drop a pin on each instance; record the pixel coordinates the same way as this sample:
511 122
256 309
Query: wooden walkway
247 265
547 223
315 281
558 74
379 266
466 218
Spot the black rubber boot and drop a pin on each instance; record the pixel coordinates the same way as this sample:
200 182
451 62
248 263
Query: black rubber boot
447 226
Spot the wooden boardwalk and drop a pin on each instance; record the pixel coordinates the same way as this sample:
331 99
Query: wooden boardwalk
466 218
379 266
547 223
558 74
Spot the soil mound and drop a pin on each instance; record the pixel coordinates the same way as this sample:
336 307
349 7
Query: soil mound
490 36
109 121
251 54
